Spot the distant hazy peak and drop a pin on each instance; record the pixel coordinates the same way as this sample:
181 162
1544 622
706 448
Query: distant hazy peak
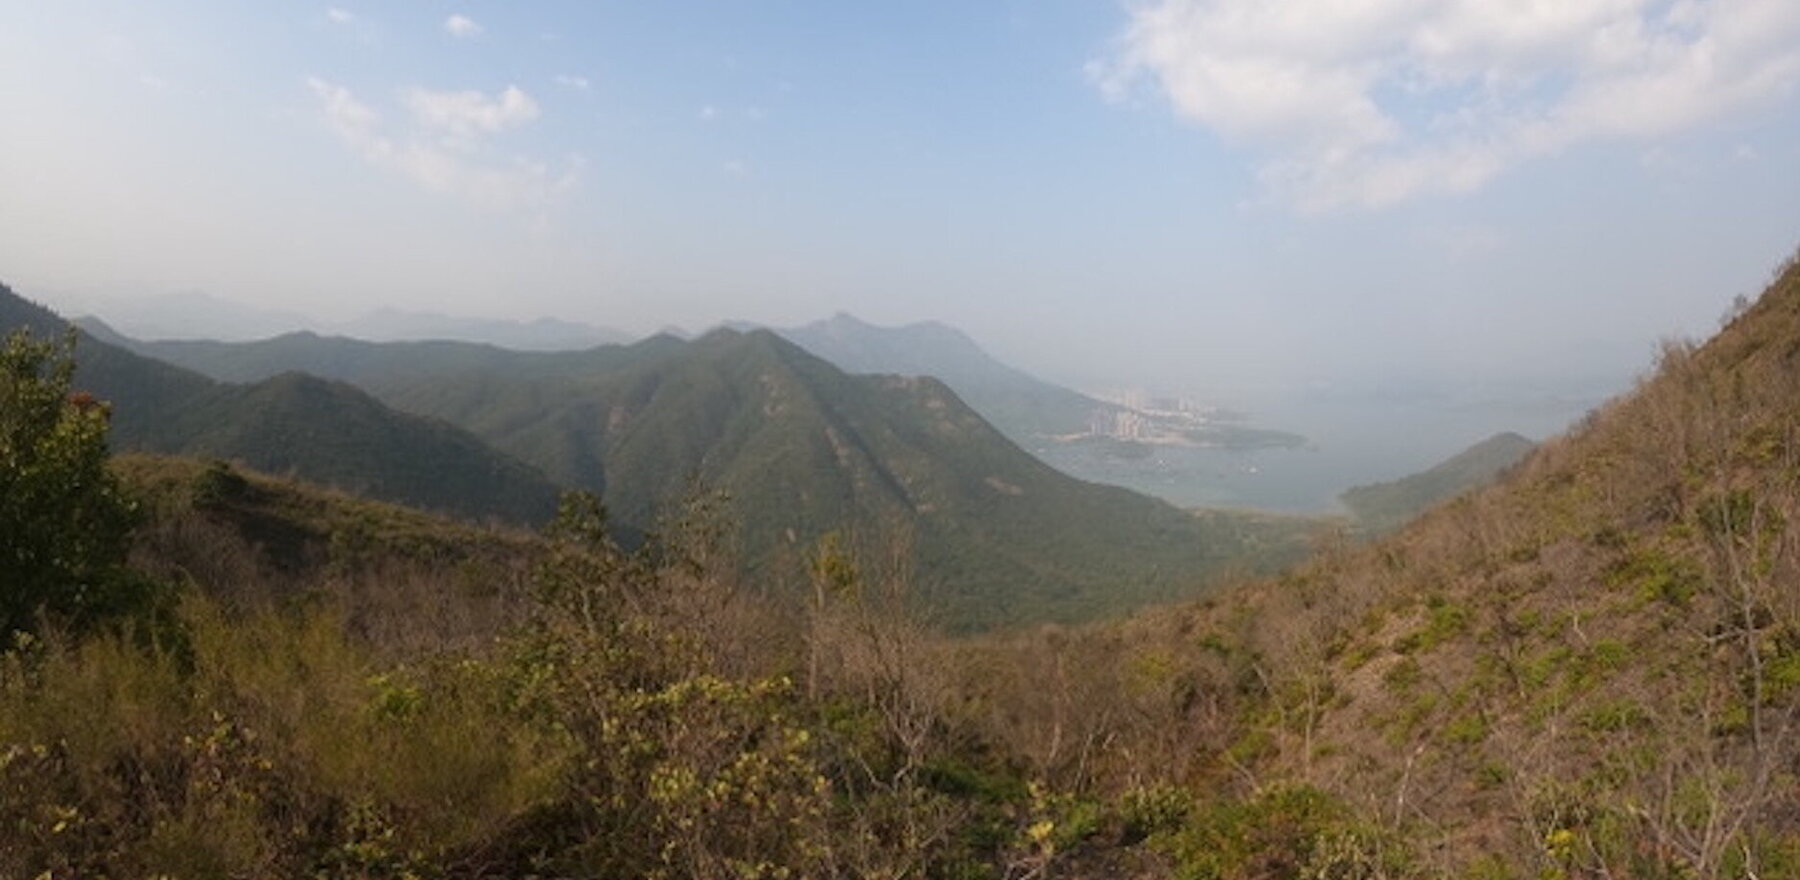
841 322
539 334
1386 506
846 322
93 326
758 339
721 335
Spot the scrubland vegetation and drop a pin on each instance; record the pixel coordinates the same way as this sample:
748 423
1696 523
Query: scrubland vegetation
1591 669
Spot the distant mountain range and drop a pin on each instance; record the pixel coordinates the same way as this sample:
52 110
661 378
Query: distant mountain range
328 432
543 334
182 315
194 315
901 464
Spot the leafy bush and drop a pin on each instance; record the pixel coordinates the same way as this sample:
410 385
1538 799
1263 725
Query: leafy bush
1292 831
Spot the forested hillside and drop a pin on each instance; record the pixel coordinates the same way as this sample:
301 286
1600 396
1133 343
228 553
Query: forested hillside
328 432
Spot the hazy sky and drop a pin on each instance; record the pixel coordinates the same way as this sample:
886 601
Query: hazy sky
1191 193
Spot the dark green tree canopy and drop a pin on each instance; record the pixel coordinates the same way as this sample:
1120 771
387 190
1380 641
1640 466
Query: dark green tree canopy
64 520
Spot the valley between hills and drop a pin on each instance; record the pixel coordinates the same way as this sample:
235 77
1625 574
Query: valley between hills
737 606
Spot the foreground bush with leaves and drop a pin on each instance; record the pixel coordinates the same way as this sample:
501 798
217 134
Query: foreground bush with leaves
270 742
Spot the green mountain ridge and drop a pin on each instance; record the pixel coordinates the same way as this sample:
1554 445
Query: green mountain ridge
196 315
328 432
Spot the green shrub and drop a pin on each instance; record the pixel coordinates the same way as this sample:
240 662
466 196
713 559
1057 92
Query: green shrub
64 520
1146 811
1295 831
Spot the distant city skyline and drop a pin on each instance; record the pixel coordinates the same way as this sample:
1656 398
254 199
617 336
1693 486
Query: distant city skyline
1191 196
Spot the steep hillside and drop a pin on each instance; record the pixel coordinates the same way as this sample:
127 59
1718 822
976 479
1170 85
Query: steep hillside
1383 507
903 466
1591 669
328 432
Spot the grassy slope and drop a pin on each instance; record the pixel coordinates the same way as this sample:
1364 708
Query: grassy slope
1589 669
325 431
243 535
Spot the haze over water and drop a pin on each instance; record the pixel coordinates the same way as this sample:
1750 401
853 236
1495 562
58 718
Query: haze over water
1349 443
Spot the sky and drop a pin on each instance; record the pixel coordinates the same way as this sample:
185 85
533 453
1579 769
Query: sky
1221 197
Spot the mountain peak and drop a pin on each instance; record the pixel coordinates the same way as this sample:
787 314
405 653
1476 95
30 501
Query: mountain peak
845 319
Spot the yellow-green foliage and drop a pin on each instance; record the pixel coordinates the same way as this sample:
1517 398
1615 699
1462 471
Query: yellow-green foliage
1283 832
605 733
260 744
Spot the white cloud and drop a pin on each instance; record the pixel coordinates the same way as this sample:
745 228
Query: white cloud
350 24
579 83
441 152
709 113
1365 103
470 113
351 119
462 27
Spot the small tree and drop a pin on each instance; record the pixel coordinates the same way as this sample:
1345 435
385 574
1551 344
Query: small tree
64 521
